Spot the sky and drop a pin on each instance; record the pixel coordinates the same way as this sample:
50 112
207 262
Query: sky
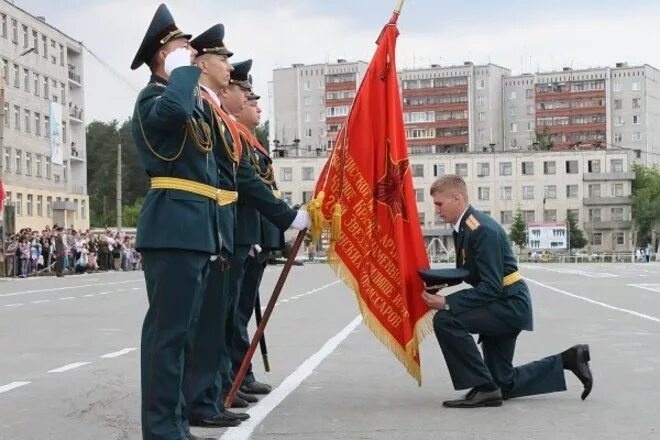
525 36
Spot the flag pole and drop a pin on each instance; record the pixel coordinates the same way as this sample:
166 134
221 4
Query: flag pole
238 379
397 12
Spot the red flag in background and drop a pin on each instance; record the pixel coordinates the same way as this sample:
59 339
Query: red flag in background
3 195
365 192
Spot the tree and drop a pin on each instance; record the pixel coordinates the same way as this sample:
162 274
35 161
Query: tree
544 139
518 233
575 234
131 213
262 134
646 203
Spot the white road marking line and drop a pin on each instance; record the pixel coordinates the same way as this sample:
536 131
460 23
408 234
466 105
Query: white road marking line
66 298
89 295
12 386
14 305
259 412
3 295
305 294
598 303
41 301
104 293
571 271
652 287
118 353
69 367
136 288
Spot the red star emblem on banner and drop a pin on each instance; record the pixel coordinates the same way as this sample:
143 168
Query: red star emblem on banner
389 189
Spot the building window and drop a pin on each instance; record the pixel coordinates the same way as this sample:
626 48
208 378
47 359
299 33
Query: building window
594 214
483 169
30 200
65 169
549 215
4 25
83 209
62 57
506 193
512 94
550 191
417 170
597 238
636 103
19 204
438 170
505 168
617 190
64 132
529 94
35 41
481 84
618 87
616 165
17 76
462 169
528 168
514 127
529 216
307 196
571 191
46 88
27 119
28 163
618 238
549 167
594 190
6 114
481 100
636 136
37 165
483 193
7 160
44 45
618 104
619 120
438 220
618 137
18 156
37 124
419 194
26 80
35 80
287 196
527 192
49 167
635 119
308 173
40 202
422 218
506 217
49 207
572 167
481 116
593 166
17 117
46 126
286 174
616 214
635 85
14 31
63 92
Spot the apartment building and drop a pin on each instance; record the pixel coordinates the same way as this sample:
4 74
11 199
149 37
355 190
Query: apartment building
309 103
453 108
595 184
586 109
44 154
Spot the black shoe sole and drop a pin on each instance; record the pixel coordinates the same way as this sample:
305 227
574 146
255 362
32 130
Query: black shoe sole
485 404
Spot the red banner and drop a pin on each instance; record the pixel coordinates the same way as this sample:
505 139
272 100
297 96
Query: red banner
365 192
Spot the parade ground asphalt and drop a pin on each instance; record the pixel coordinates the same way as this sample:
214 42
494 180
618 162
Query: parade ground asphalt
69 362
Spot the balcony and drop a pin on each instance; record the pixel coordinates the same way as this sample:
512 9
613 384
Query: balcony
435 91
74 78
339 86
600 201
76 114
608 225
569 95
438 107
603 177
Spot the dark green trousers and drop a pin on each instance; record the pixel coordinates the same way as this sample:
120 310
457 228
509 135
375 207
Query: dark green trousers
469 369
174 280
234 281
208 351
252 275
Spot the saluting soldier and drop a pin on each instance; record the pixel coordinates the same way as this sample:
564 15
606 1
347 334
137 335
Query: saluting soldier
237 179
177 231
266 239
497 307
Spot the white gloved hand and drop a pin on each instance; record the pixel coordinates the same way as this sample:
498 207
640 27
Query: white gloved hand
177 58
254 250
302 220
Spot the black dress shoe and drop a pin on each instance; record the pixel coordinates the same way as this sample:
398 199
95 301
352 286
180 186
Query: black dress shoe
249 398
476 399
238 402
241 416
220 420
256 388
581 368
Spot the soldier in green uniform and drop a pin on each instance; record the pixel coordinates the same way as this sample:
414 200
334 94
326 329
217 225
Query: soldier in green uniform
171 132
208 352
267 239
497 307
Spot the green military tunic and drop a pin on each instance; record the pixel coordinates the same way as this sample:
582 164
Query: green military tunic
497 307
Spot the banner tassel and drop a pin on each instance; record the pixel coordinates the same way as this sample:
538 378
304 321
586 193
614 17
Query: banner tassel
316 216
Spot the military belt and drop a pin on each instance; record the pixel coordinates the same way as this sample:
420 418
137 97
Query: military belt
221 196
511 279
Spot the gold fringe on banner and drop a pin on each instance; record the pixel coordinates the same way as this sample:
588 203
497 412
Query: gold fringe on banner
316 216
335 225
423 327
